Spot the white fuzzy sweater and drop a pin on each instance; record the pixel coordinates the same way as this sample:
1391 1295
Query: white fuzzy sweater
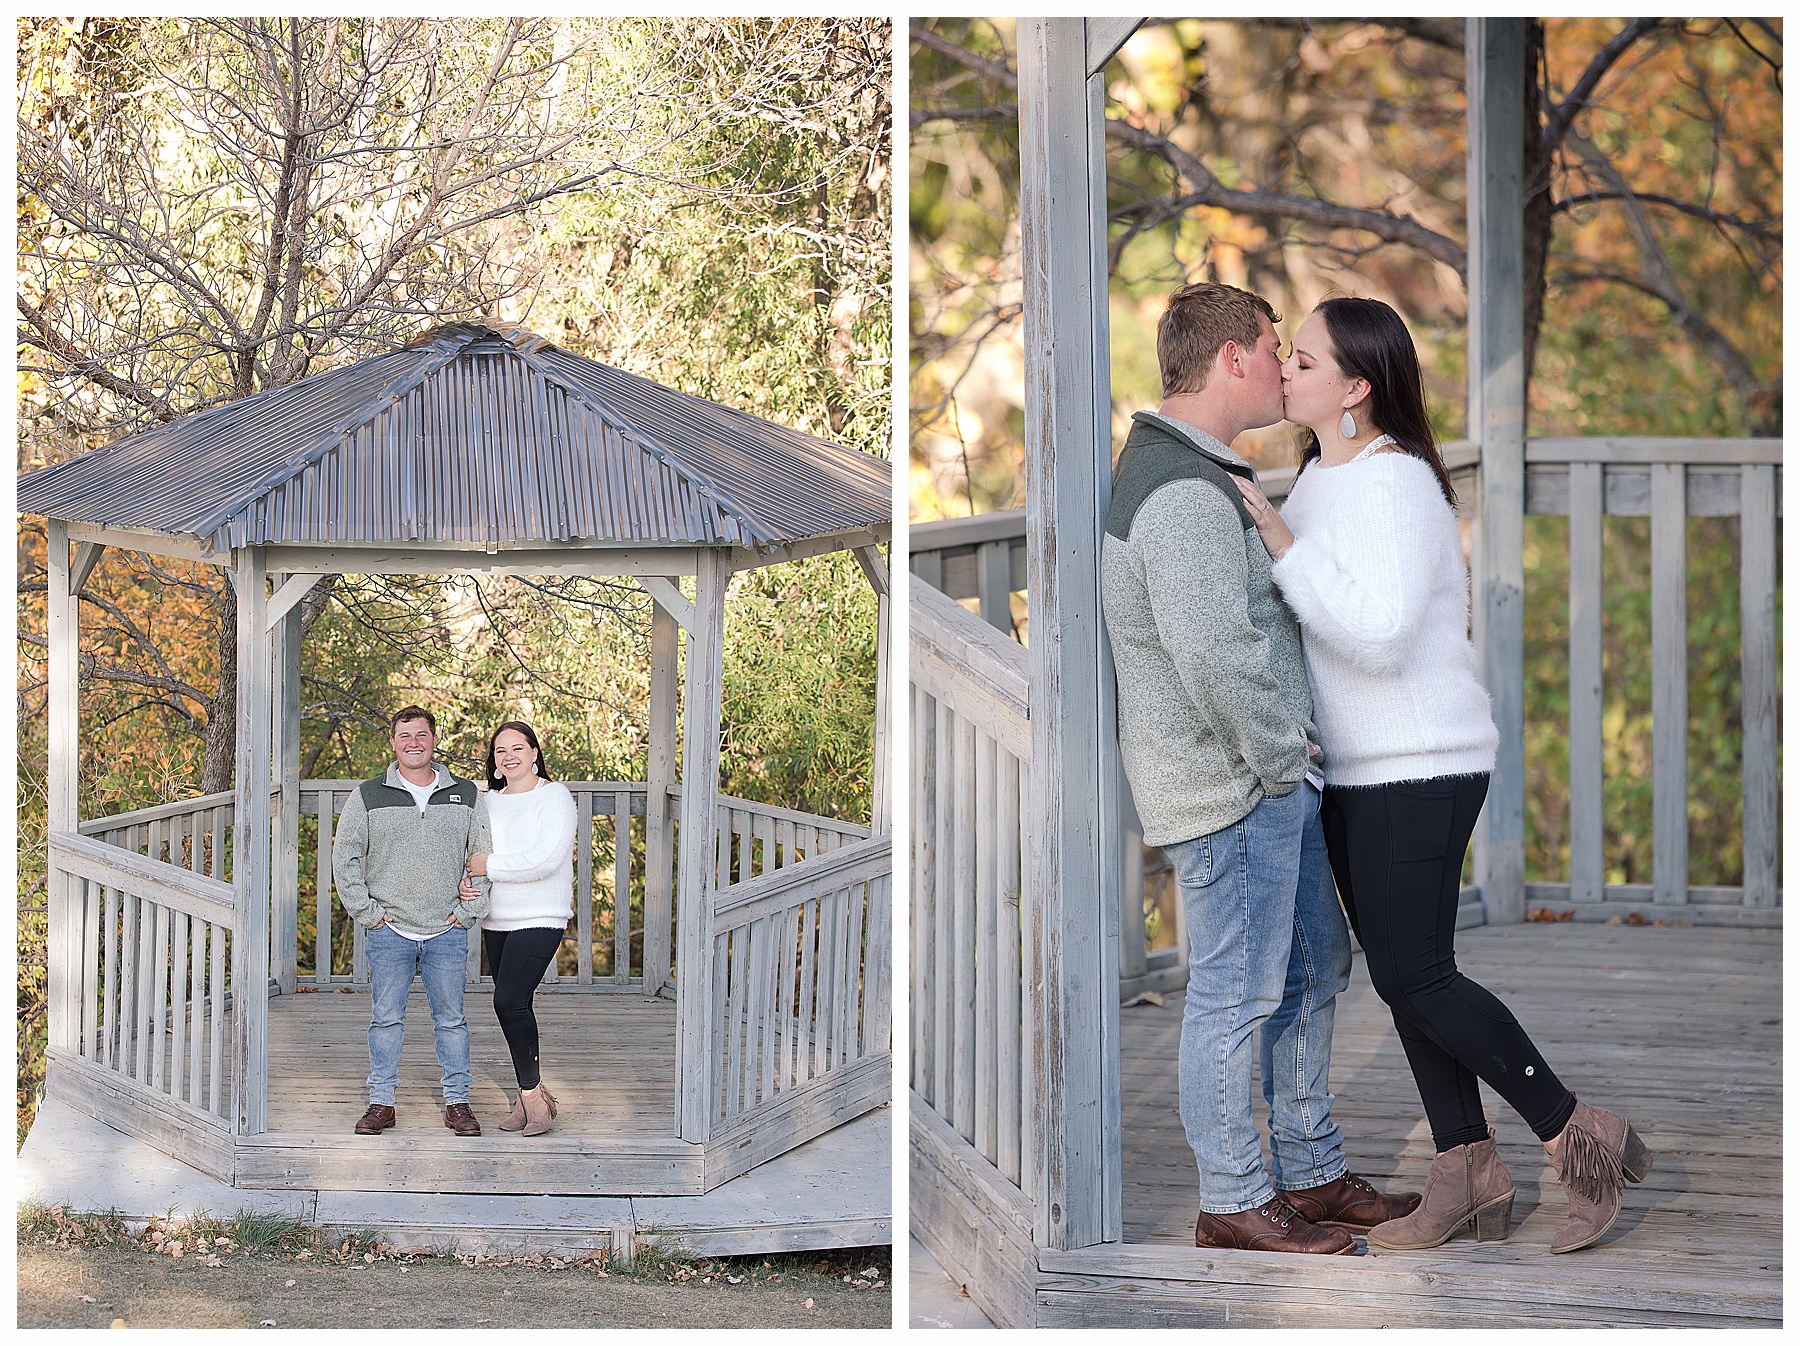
532 865
1376 577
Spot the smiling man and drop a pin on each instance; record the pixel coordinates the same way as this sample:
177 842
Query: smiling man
398 857
1216 735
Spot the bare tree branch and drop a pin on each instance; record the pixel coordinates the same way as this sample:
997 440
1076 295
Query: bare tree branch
1556 124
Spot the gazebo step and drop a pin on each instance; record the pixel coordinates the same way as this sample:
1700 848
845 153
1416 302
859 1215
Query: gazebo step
832 1192
494 1162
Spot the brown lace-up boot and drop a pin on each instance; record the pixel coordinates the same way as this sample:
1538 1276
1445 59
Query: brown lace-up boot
1596 1155
1468 1187
1272 1227
1349 1203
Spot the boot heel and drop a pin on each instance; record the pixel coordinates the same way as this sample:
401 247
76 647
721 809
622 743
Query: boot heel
1493 1222
1637 1159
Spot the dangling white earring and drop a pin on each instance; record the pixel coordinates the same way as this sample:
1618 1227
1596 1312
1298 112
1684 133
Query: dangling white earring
1347 426
536 770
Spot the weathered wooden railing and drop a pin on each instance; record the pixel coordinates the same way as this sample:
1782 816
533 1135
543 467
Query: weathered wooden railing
606 875
150 980
971 962
801 975
1584 478
1668 480
755 839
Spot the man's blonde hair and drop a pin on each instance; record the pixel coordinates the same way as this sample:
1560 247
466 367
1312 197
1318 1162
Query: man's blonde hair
1199 320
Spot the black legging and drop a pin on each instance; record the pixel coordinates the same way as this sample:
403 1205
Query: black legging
1396 852
517 958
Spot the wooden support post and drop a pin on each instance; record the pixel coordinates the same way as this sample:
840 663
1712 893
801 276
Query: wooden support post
877 573
1496 420
250 861
659 835
1073 888
284 952
1668 683
1587 784
1762 780
701 714
63 709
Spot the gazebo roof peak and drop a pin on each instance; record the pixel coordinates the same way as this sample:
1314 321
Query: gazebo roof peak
471 437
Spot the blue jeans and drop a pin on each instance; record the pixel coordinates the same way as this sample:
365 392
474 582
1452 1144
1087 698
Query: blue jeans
1268 954
442 963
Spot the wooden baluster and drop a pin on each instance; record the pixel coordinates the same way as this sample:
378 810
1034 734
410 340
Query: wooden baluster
963 897
621 888
807 1003
1762 778
110 1039
1587 786
1668 689
987 994
924 882
196 1019
1008 1031
178 1006
219 960
323 814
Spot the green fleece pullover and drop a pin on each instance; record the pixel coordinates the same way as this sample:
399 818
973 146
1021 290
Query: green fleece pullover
1214 708
390 859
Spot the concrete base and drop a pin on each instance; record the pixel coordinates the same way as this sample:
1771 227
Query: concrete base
832 1192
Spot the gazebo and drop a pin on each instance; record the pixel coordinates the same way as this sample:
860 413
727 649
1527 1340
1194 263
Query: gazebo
180 1007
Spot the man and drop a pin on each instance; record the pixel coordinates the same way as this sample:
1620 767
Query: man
1216 734
398 857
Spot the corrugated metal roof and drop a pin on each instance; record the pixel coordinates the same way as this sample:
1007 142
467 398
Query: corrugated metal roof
471 437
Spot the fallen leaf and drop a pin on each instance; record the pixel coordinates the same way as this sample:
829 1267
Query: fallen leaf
290 1284
809 1303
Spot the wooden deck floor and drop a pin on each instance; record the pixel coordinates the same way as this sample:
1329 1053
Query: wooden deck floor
1680 1029
609 1059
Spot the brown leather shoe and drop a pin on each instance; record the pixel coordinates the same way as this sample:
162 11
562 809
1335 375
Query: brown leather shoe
1272 1227
460 1120
377 1119
1349 1203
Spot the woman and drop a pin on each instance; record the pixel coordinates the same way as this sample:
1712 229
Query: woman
1376 578
530 871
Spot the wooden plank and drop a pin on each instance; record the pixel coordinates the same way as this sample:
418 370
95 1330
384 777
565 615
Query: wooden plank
924 884
1762 777
323 811
971 669
878 966
128 983
985 1020
830 973
585 896
196 1018
142 1017
850 995
1651 449
284 931
943 943
1495 54
109 991
699 826
218 961
798 1117
621 888
63 746
173 887
89 961
1068 473
811 931
1586 616
994 566
1668 685
720 1008
881 752
850 864
159 999
659 845
251 817
1010 1047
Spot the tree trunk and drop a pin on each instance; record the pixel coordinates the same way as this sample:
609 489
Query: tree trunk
221 712
1536 180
